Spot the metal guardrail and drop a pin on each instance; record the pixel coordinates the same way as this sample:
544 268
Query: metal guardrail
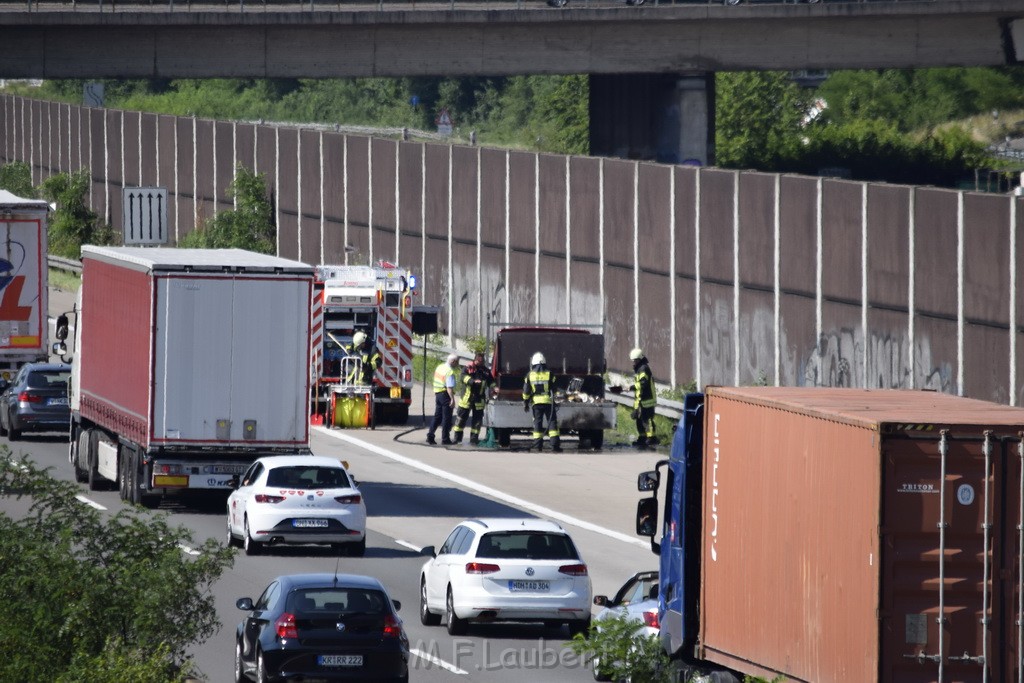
672 410
299 6
65 264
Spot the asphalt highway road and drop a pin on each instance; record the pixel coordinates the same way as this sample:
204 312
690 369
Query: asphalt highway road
415 494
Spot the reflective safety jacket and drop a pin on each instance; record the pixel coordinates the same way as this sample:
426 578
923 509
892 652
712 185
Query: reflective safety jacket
538 389
643 388
474 388
370 360
441 374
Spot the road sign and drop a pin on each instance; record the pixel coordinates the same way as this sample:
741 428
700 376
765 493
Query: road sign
92 94
444 122
145 215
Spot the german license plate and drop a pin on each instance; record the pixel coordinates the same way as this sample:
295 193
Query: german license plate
62 401
535 586
229 469
309 523
340 660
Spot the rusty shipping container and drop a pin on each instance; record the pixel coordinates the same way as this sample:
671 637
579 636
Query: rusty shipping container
858 535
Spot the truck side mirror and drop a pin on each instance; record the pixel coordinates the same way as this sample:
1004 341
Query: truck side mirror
61 328
59 349
647 517
648 481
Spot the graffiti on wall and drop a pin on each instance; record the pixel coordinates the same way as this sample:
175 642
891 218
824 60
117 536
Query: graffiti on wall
838 360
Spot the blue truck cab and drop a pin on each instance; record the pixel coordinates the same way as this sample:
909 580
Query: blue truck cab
679 544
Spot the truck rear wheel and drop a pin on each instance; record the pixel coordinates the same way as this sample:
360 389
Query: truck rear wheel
504 437
81 476
87 454
122 474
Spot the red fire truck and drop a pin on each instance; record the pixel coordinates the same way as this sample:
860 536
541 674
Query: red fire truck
377 301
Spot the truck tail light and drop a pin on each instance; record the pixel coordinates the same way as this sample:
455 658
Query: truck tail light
408 374
481 568
349 500
573 569
651 619
285 626
267 498
26 397
392 627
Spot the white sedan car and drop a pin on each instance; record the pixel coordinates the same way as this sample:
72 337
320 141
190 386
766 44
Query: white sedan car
297 499
506 570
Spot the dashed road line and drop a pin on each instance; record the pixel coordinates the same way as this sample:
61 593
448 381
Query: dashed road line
410 546
486 490
438 662
90 503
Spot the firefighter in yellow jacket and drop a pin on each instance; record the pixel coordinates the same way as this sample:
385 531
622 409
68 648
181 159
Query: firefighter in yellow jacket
475 383
370 359
644 400
539 394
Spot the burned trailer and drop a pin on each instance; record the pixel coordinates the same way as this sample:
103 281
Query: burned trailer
575 357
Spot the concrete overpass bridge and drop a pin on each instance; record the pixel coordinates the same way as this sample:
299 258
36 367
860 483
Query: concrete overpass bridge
650 66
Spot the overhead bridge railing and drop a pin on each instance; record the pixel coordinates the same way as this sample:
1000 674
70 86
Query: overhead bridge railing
160 6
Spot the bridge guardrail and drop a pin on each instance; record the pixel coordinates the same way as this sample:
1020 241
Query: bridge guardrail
207 6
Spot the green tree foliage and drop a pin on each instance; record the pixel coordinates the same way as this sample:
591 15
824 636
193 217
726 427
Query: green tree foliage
620 653
16 177
73 223
757 123
875 132
548 113
113 597
250 226
912 100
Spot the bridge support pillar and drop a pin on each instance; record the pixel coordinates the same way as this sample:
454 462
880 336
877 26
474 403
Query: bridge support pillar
662 117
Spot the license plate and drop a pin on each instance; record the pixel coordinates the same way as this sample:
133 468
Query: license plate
340 660
309 522
396 392
57 401
228 469
536 586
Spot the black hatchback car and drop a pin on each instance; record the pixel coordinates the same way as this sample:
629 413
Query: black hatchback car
323 627
36 400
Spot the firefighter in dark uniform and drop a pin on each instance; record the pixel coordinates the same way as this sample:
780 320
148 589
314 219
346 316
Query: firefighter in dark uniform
475 383
539 394
370 359
643 400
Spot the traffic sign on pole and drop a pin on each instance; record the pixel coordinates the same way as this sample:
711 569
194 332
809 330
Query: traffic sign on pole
145 215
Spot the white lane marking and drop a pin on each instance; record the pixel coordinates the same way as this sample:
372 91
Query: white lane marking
90 503
406 544
486 490
188 551
438 662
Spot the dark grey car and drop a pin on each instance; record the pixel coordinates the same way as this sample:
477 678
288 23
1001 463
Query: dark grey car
36 400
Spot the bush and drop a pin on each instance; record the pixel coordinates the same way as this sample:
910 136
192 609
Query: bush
621 653
113 597
73 223
16 177
250 226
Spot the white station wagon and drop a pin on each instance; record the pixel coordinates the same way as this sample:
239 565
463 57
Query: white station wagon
297 499
506 570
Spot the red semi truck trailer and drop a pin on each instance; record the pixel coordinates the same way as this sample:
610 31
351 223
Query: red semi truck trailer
188 365
23 280
838 535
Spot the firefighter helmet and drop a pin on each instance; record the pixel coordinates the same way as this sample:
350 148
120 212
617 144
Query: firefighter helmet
358 338
636 354
538 359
